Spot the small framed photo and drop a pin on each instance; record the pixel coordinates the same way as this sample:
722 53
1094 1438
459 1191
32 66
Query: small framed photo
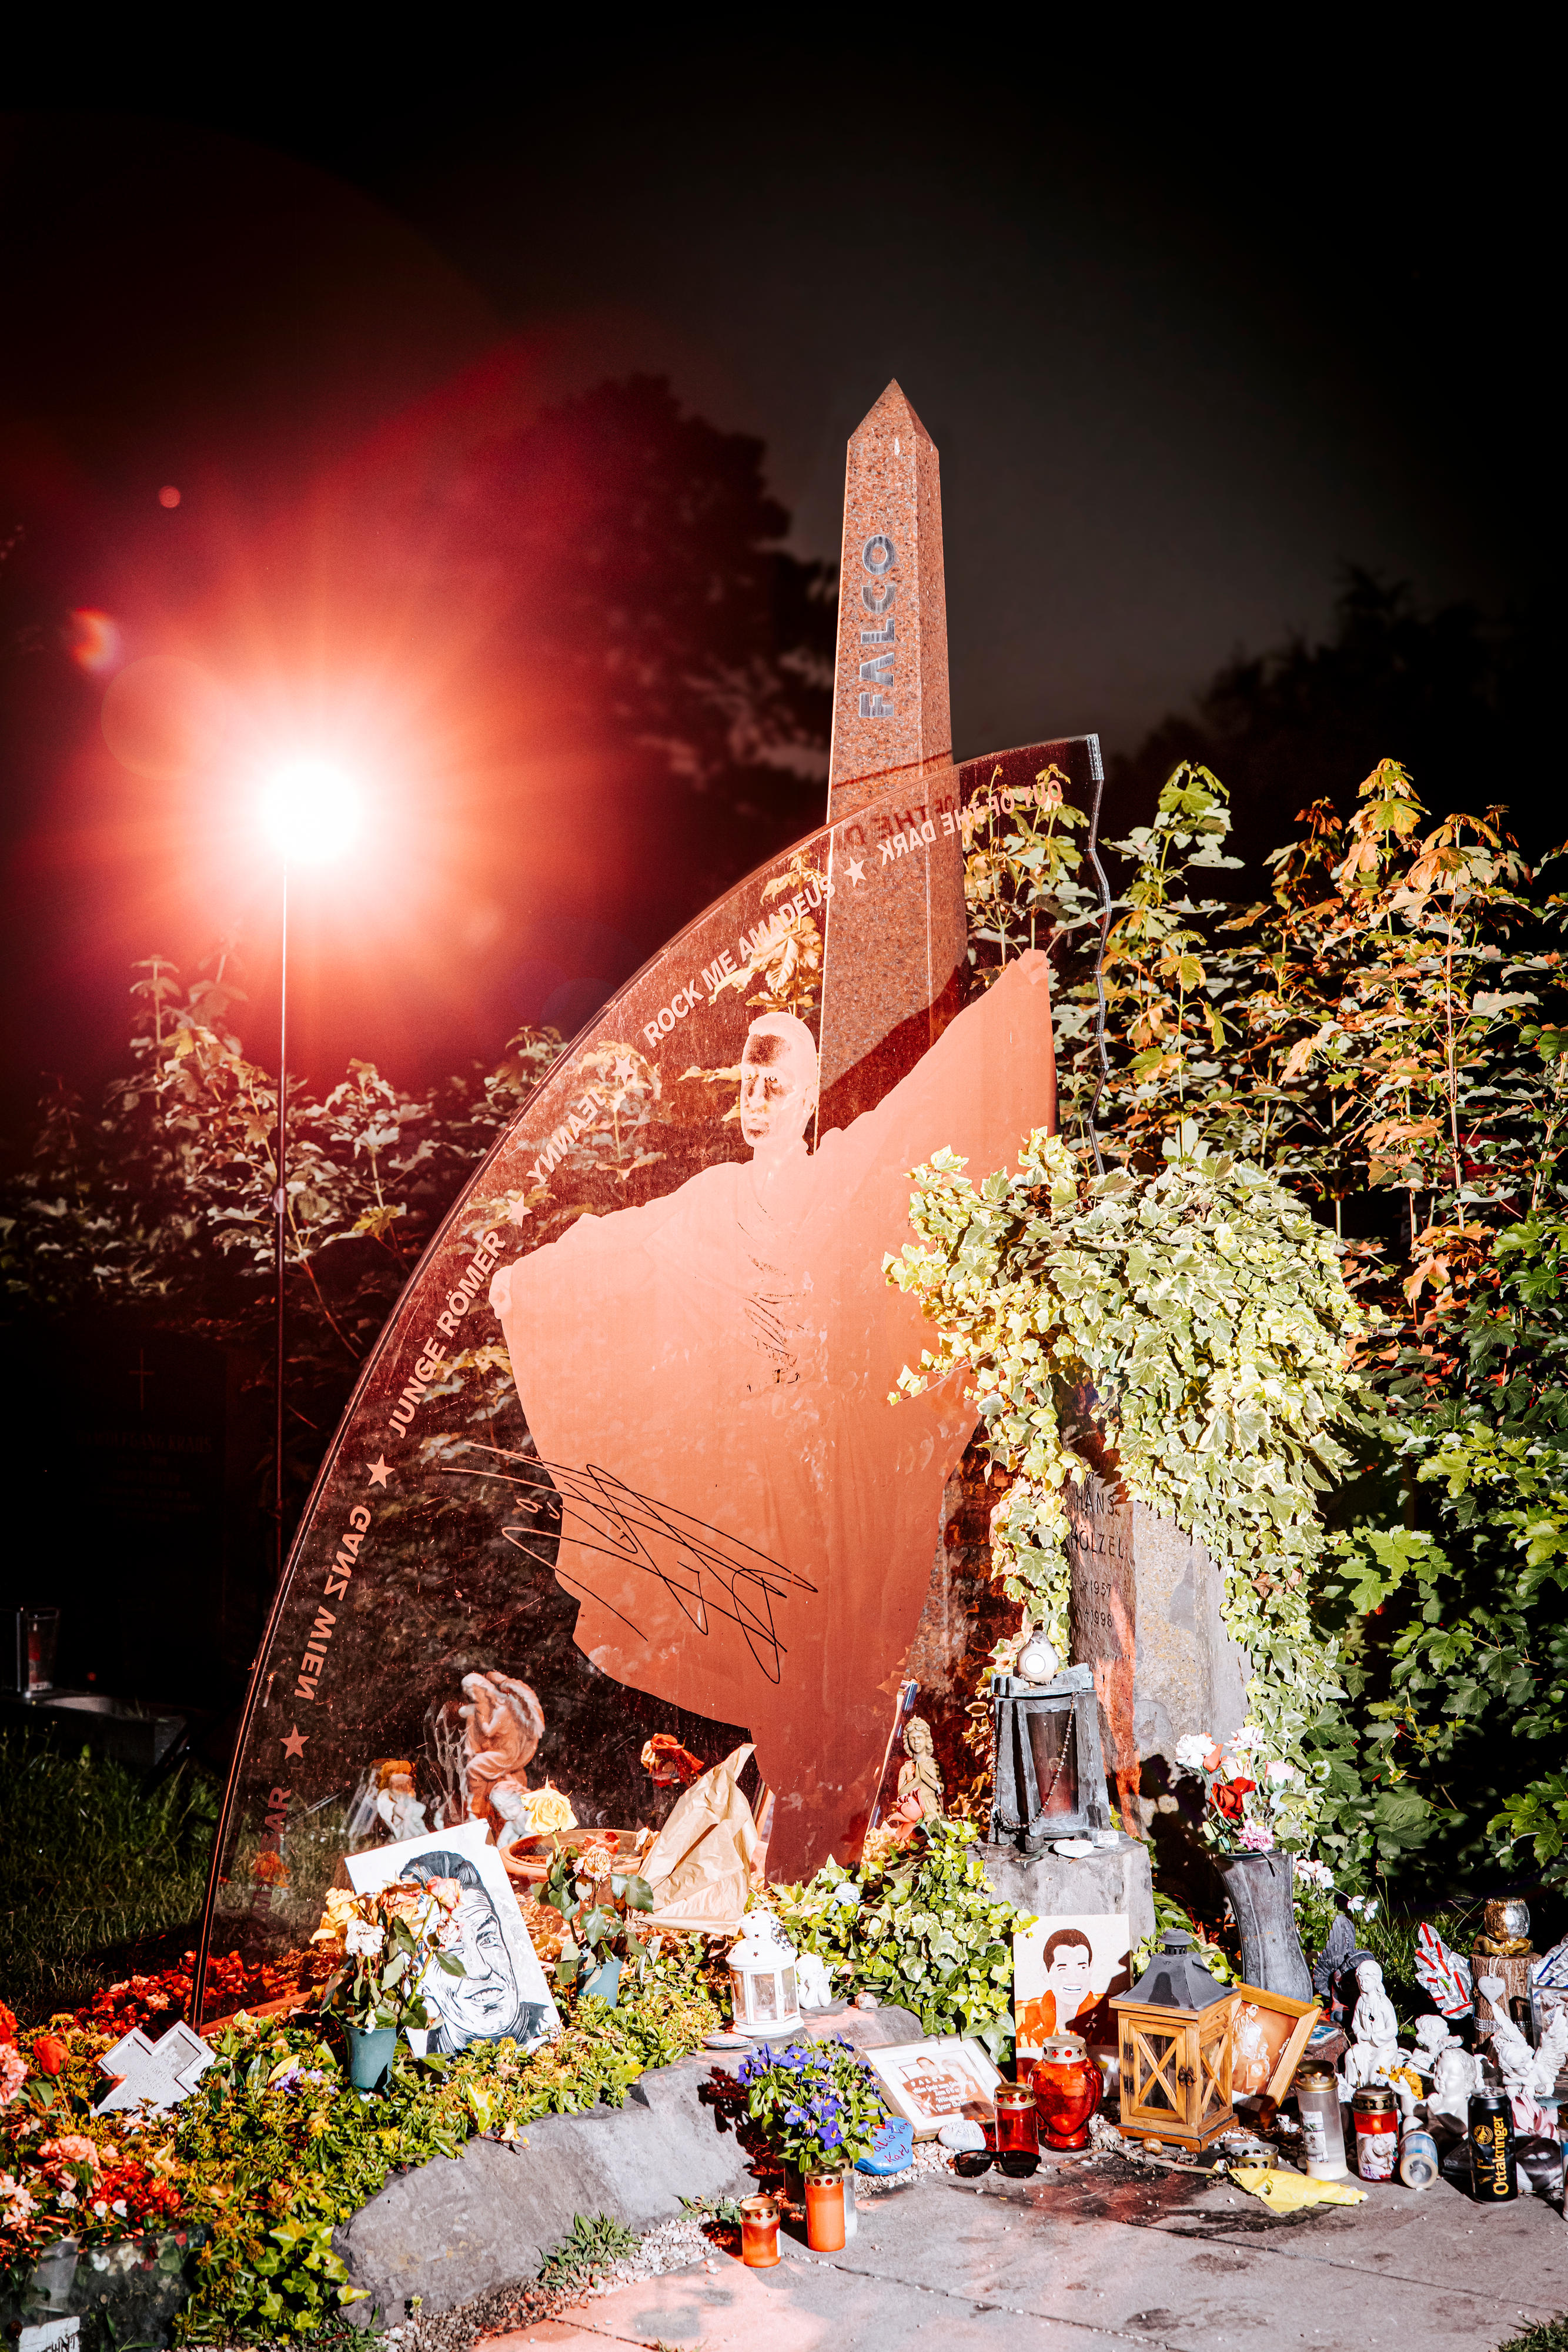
502 1991
1269 2033
931 2083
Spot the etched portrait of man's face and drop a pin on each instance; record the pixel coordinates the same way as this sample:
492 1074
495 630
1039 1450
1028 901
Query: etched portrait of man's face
483 2002
777 1085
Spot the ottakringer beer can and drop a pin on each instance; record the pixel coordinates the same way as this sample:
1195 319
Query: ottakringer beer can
1493 2173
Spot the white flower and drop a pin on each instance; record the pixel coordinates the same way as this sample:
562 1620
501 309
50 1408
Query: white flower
1191 1751
1363 1905
1315 1874
363 1938
1281 1774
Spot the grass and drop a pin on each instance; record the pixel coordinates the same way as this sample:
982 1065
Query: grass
586 2252
1551 2336
101 1871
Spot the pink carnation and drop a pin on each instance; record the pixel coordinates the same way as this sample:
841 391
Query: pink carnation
13 2072
1256 1838
71 2148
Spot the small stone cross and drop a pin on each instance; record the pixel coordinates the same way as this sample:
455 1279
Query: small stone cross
164 2072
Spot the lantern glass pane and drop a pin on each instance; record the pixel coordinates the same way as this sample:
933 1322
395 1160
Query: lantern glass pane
788 1992
765 1994
742 1995
1055 1773
1154 2055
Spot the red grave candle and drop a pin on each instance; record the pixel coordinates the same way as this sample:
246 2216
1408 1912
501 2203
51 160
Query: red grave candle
1018 2132
1067 2089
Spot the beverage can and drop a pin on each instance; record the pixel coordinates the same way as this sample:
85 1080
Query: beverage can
1494 2174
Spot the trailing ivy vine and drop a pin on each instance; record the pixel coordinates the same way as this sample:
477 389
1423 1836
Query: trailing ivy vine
1205 1316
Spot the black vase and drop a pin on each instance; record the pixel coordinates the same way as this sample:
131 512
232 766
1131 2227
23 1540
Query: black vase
1258 1885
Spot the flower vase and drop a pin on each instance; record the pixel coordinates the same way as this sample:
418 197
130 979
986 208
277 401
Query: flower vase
1259 1888
605 1983
54 2275
371 2055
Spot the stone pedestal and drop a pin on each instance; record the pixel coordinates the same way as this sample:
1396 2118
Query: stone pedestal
1145 1616
1514 1969
1111 1881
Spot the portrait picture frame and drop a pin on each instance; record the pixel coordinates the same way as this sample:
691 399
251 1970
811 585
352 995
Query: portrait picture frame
934 2081
493 1924
1286 2026
1073 1962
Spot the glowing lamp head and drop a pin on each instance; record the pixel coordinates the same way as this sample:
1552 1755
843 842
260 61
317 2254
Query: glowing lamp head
311 811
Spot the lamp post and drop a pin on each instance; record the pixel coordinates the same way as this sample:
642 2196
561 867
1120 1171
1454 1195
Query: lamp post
311 811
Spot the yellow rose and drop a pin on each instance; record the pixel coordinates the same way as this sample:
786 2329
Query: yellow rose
549 1810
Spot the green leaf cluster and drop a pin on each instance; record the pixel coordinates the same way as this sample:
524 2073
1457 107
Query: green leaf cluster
924 1930
1199 1316
277 2150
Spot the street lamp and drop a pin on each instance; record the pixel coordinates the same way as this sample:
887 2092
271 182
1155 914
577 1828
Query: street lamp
310 812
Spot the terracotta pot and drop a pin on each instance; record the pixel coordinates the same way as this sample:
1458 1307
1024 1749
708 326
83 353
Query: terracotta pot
1258 1885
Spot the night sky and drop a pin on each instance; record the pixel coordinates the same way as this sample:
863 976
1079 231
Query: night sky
1187 347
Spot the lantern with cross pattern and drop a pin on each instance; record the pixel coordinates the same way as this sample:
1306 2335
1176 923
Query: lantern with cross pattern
1050 1777
1175 2037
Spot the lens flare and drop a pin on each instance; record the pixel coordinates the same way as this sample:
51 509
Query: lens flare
93 641
168 495
311 811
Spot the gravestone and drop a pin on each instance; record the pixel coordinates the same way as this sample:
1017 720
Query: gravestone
1147 1617
625 1438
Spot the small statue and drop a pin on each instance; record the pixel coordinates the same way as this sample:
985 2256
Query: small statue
1456 2073
920 1790
813 1986
1433 2036
396 1802
1527 2074
1375 2029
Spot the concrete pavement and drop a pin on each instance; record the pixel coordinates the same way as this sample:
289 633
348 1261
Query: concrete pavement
1092 2253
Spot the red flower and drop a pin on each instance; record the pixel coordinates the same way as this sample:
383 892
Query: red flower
50 2053
7 2023
1228 1796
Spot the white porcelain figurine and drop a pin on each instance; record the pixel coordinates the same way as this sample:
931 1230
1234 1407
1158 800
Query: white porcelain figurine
1375 2029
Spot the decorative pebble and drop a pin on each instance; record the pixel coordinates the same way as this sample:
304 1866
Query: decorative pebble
961 2133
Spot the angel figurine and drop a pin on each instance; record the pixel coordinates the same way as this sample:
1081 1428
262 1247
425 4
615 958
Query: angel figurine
1375 2029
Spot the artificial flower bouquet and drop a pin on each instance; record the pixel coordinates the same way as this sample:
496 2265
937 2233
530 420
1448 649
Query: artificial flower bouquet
595 1896
817 2101
57 2182
1253 1802
390 1941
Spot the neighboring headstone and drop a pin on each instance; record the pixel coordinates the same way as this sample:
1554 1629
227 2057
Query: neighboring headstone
1147 1617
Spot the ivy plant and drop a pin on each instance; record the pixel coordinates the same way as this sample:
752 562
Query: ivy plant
924 1930
1206 1317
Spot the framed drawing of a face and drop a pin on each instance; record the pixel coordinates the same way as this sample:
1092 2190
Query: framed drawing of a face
502 1991
1064 1972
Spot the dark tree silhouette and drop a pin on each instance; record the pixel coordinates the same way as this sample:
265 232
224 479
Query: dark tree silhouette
1459 699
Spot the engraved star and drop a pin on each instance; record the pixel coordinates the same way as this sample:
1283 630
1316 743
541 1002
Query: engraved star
294 1743
625 1069
857 870
380 1470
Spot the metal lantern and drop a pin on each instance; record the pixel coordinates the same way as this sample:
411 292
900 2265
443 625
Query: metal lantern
762 1978
1174 2048
1050 1768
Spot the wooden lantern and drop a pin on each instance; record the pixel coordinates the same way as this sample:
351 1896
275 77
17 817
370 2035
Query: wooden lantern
1175 2037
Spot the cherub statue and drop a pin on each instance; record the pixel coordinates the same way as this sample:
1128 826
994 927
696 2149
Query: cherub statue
396 1802
921 1794
1376 2031
1456 2072
1528 2075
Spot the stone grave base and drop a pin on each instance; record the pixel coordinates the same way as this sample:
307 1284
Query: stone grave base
1113 1879
459 2226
